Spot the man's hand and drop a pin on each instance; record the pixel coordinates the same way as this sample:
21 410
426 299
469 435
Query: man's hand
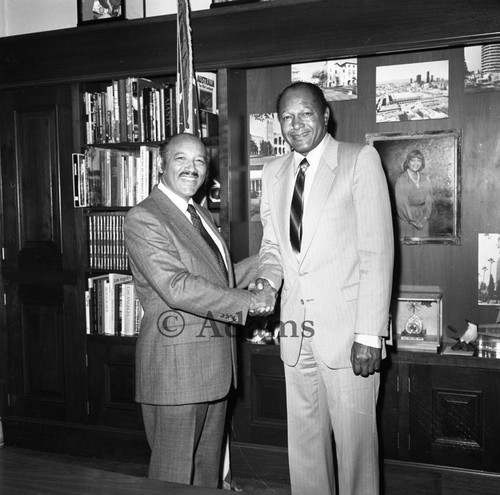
365 360
263 298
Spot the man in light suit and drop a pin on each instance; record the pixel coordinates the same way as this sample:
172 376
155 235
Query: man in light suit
335 295
185 356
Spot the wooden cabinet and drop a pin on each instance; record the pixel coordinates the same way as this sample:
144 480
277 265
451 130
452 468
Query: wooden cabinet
432 409
452 413
440 410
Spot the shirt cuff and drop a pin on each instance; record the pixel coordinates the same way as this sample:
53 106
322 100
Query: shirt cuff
369 340
271 283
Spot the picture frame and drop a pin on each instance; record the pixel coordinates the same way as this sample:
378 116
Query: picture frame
426 200
417 318
413 91
100 11
337 78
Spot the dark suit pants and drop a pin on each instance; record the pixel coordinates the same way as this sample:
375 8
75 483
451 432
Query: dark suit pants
186 442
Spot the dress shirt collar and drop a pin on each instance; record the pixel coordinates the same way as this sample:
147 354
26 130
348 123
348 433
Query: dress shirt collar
313 157
181 203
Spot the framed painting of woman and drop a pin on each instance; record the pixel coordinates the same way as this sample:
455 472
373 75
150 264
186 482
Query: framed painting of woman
423 173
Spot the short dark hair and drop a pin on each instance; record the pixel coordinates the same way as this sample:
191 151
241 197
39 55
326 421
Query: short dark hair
315 91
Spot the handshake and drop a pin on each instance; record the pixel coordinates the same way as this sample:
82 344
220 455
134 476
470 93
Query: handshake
263 298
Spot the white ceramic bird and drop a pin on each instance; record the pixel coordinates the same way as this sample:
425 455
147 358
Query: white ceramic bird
464 341
470 334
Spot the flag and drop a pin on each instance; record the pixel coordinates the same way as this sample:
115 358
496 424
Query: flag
188 115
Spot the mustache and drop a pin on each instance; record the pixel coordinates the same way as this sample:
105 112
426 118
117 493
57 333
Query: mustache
192 174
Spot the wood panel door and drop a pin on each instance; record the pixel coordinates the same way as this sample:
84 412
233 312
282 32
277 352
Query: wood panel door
45 336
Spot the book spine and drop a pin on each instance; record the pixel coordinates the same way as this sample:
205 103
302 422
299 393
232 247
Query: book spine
127 321
76 179
138 313
91 241
88 323
122 104
136 136
116 113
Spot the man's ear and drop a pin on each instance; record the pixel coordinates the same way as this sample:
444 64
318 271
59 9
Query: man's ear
159 165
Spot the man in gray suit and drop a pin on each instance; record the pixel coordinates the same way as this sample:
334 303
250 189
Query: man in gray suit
328 238
185 356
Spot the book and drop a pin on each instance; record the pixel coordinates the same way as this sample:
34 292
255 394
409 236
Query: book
106 243
96 303
115 280
77 159
207 91
207 102
128 309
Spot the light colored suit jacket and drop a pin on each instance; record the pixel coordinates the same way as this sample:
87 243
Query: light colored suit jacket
185 352
341 284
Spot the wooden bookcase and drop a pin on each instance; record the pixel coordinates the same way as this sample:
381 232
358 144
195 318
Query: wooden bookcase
54 395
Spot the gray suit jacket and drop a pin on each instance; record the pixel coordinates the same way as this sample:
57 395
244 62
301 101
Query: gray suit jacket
341 284
185 352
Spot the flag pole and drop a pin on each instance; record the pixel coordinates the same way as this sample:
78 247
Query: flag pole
188 115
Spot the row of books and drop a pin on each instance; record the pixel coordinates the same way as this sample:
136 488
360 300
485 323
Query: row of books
114 177
136 109
132 109
106 243
112 307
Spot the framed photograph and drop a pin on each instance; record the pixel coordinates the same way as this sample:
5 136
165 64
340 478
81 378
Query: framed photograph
265 143
338 79
482 72
423 174
416 316
97 11
412 91
488 269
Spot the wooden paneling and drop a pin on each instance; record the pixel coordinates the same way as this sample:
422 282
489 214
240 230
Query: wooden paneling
476 116
263 34
45 362
233 161
111 374
260 399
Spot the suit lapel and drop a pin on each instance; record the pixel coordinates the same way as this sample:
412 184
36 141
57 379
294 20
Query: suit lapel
282 189
320 190
184 229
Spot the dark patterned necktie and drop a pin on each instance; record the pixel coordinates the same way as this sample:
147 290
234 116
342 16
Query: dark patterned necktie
198 225
297 207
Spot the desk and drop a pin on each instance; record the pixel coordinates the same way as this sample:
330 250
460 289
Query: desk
22 474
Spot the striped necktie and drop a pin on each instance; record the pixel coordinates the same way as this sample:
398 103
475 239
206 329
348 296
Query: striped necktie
297 207
198 225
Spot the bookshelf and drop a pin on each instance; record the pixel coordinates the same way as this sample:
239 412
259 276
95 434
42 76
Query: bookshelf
55 378
122 123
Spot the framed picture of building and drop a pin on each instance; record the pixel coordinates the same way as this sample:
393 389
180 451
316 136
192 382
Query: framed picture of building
417 91
338 79
482 68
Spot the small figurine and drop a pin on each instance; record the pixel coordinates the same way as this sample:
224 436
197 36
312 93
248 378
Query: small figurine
464 342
